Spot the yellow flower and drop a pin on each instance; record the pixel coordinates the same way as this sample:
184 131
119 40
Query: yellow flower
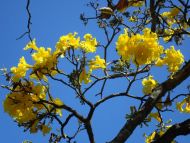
19 107
169 16
184 105
150 138
141 49
45 60
38 92
148 85
89 44
45 129
168 34
97 63
173 59
187 108
41 56
180 105
172 13
57 102
133 19
45 63
33 128
31 45
159 62
38 75
155 116
84 77
21 70
21 104
67 41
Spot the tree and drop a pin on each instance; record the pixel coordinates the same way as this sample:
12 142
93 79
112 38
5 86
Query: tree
138 27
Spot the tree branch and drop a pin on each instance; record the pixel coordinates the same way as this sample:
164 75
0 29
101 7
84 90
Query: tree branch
28 32
153 15
158 92
90 132
174 131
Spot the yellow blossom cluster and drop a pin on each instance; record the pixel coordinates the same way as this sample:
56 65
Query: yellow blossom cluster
89 43
145 49
148 85
21 70
67 41
97 63
184 105
45 61
22 105
141 49
173 20
71 41
173 59
170 15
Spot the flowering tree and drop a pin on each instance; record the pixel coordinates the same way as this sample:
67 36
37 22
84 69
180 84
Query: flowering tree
138 27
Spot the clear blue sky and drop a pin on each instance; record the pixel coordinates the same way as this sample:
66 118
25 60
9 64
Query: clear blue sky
50 20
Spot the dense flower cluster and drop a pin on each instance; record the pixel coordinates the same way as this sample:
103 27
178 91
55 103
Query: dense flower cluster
71 41
45 63
67 41
20 103
89 43
141 49
23 103
145 49
173 59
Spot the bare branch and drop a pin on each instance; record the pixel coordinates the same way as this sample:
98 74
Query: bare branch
28 32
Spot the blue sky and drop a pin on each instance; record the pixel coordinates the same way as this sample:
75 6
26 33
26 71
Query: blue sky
50 20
